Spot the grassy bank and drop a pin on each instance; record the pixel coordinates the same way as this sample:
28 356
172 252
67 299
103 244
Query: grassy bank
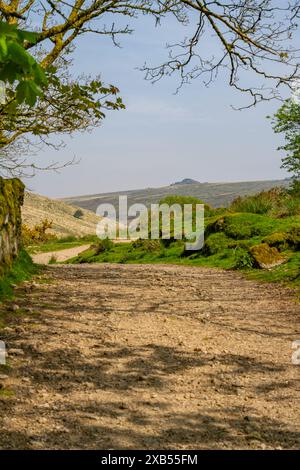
231 237
60 244
174 254
23 268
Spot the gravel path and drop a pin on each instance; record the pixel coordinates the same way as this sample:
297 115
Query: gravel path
61 255
136 356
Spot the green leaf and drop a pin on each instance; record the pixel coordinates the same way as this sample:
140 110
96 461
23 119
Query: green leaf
9 72
18 55
3 47
21 91
39 74
28 36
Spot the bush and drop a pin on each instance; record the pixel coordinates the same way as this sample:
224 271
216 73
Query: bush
276 202
37 234
147 245
284 240
78 214
261 203
102 245
90 255
182 200
176 230
243 259
294 189
290 206
215 243
294 238
279 240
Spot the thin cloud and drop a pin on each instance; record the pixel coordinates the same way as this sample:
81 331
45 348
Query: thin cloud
166 112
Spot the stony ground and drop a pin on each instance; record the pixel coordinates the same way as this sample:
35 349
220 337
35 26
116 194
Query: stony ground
137 356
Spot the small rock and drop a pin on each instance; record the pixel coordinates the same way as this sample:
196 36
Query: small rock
4 377
8 329
29 310
266 257
13 308
16 352
26 379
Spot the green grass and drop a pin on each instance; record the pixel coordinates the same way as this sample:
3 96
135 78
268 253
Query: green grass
227 242
288 272
61 244
277 202
6 393
22 269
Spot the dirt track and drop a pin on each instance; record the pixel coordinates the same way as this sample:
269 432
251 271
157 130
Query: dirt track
129 356
60 256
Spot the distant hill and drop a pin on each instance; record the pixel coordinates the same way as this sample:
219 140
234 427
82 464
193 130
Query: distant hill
37 208
215 194
186 181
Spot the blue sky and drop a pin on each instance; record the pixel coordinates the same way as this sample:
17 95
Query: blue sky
161 137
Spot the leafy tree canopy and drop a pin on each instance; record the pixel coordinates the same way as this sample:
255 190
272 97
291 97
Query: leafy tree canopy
17 65
253 46
287 122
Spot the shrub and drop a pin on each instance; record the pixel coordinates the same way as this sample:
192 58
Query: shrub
290 206
181 200
52 260
276 202
243 259
90 255
279 240
284 240
147 245
176 230
37 234
215 243
261 203
102 245
78 214
294 189
294 238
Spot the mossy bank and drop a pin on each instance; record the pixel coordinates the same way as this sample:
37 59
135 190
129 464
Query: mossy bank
11 200
15 264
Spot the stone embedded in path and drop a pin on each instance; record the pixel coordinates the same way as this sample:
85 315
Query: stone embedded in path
266 257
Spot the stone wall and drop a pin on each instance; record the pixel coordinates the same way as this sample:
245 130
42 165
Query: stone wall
11 200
